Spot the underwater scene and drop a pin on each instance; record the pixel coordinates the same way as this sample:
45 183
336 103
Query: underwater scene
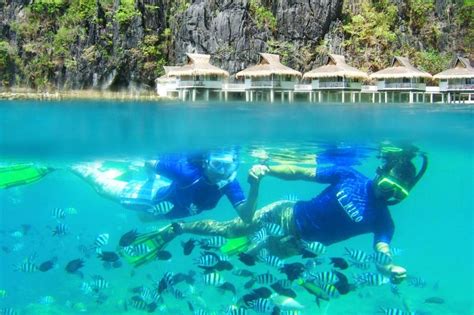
236 208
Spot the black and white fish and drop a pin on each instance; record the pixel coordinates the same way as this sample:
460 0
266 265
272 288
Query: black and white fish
357 255
273 261
60 230
128 238
58 213
371 279
166 282
380 258
213 279
136 250
274 229
207 260
27 266
213 242
330 290
325 277
315 248
262 305
8 311
260 236
235 310
360 265
162 208
265 278
101 240
138 303
394 311
98 283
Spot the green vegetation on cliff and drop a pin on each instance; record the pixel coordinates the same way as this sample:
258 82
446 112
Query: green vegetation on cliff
110 43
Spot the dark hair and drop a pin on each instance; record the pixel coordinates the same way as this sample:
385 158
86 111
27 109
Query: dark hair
405 172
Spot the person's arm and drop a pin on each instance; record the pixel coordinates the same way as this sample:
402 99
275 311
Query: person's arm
284 171
396 273
382 239
247 209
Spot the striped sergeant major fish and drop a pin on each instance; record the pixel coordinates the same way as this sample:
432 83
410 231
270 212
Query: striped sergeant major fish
271 260
101 240
371 279
86 288
260 236
380 258
165 282
315 248
207 260
360 265
265 278
213 242
27 266
138 303
148 295
161 208
357 255
291 197
262 305
290 312
325 277
58 213
98 283
274 229
330 289
213 279
394 311
136 250
235 310
8 311
60 230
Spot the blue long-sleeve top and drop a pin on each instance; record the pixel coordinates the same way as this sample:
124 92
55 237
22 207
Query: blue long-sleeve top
190 191
347 208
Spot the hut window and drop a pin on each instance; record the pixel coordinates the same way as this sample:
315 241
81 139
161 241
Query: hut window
213 77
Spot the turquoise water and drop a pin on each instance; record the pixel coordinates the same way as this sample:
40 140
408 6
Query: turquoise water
433 226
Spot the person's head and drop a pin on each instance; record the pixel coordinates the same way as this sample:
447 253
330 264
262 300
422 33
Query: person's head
394 185
220 166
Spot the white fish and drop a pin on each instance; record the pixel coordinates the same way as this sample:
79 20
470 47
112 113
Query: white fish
286 303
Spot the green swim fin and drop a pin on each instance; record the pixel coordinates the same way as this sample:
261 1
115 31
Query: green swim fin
152 243
235 246
21 174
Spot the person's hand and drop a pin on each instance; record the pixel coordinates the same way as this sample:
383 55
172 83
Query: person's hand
396 273
257 172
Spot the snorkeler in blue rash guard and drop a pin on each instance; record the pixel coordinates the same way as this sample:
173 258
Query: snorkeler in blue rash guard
351 205
192 185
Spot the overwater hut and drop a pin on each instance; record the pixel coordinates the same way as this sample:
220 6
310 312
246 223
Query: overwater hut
335 77
457 81
166 85
401 79
268 78
198 76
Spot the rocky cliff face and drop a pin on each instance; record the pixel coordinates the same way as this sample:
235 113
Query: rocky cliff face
232 33
116 44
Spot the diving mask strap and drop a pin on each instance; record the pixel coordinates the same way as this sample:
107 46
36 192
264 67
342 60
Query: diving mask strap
422 171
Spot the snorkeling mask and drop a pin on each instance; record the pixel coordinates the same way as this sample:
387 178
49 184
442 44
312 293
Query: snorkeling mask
222 165
391 186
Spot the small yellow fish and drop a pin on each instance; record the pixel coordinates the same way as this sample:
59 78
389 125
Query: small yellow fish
79 307
3 293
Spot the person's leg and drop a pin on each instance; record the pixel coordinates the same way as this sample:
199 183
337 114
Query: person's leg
103 182
236 227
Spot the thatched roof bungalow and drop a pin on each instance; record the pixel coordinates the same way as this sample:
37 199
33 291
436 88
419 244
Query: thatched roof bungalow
459 78
336 74
402 75
269 73
198 65
197 73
